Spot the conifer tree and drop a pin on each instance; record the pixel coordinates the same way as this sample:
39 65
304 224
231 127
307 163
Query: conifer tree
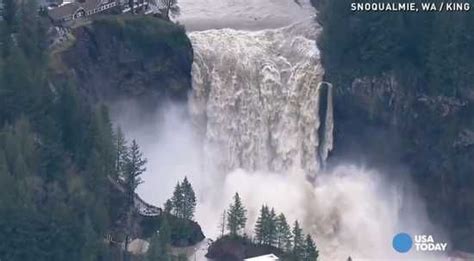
298 241
283 233
260 232
8 192
189 200
310 251
222 225
266 227
168 207
91 242
160 243
178 200
134 167
120 152
271 228
236 218
183 202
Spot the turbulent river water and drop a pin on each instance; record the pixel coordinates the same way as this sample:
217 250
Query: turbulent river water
261 124
256 97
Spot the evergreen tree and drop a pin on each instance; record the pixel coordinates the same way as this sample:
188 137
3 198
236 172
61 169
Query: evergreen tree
168 207
189 200
271 228
120 152
183 202
160 243
260 233
298 241
91 246
266 227
165 238
283 232
154 251
222 225
178 200
134 167
236 218
8 193
310 251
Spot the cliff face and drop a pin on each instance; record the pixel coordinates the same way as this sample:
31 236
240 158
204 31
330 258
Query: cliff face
133 57
140 58
404 103
432 136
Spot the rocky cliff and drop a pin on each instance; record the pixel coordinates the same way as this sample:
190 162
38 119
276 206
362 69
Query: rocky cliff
115 58
404 102
139 57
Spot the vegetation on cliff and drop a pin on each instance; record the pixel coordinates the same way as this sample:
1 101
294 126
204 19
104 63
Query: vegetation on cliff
128 57
272 235
436 48
58 151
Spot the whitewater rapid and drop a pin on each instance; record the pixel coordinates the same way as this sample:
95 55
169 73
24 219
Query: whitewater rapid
256 98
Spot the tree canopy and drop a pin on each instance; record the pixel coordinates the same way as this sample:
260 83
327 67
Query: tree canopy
236 217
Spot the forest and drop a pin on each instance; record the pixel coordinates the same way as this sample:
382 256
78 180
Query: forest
57 153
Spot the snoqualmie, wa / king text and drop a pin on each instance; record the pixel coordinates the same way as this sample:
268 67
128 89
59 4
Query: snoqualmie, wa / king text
411 7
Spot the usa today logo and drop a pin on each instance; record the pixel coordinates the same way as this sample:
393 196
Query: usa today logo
403 242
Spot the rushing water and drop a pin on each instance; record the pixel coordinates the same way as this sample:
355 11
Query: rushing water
256 97
261 123
242 14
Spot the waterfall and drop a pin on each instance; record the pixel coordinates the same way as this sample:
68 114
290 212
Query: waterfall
327 143
256 98
259 108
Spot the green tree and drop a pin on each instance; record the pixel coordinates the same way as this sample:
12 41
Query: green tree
222 225
120 152
8 193
298 241
189 200
178 200
266 227
236 217
160 243
92 243
134 168
260 233
283 232
310 251
183 201
271 228
168 207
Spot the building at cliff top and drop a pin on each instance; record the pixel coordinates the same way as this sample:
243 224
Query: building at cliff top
70 13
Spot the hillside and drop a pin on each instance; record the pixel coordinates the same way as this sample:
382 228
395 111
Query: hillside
58 146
